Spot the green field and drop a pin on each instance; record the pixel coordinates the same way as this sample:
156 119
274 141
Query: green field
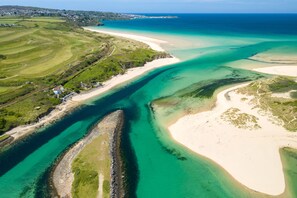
37 54
92 161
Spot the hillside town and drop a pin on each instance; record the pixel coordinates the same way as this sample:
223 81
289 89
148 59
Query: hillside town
80 18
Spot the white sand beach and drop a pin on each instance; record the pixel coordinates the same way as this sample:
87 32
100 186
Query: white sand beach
288 70
250 154
153 43
129 75
66 107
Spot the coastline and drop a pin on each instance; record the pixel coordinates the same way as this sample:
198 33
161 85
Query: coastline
253 150
155 44
58 112
68 106
129 75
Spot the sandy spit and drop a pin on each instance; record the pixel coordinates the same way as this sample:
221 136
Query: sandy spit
251 155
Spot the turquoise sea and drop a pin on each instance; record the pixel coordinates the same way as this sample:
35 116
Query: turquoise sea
215 50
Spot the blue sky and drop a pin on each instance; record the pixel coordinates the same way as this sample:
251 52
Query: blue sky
166 6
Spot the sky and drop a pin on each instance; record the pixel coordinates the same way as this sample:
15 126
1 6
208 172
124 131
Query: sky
166 6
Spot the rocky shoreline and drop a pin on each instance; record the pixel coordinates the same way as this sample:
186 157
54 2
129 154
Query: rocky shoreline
117 169
62 176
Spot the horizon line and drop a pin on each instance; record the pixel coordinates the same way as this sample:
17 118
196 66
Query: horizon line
154 12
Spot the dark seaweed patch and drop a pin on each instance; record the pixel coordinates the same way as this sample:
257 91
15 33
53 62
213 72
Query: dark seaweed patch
206 89
174 152
43 186
26 191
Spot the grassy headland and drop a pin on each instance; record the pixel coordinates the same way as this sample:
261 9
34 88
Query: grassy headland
40 53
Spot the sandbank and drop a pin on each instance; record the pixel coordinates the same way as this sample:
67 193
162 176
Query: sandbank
250 155
288 70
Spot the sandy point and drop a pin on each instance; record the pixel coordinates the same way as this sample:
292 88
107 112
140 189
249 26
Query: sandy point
250 155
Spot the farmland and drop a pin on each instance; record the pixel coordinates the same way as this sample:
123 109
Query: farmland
38 54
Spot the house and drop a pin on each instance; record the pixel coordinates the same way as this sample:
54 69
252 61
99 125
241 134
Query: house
58 90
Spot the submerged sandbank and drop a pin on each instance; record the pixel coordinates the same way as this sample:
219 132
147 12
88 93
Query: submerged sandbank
249 152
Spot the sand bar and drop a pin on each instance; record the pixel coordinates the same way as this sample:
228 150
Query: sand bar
288 70
250 155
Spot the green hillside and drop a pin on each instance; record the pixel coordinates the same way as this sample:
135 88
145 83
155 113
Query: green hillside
38 54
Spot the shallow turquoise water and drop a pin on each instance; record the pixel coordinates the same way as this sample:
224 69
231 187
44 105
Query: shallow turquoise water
158 167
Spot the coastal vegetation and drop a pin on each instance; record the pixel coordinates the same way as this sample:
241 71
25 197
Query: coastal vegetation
97 168
4 137
40 53
93 160
240 119
276 95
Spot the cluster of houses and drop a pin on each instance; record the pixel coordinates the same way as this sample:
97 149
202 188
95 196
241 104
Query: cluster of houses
77 17
59 90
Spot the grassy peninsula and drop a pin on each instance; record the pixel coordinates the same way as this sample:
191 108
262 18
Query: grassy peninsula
97 169
38 54
93 167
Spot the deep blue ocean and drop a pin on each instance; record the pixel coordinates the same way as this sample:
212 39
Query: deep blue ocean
213 24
